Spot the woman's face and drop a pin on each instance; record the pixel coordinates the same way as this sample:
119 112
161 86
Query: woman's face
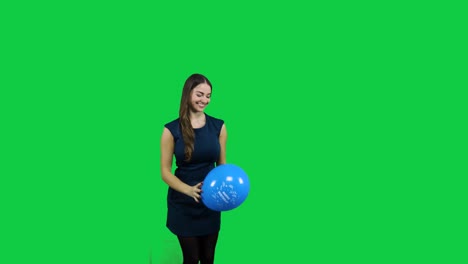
200 97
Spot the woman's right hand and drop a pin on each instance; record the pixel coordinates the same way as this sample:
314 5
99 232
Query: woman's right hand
195 192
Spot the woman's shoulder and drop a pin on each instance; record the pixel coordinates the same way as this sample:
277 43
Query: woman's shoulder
215 120
172 124
215 123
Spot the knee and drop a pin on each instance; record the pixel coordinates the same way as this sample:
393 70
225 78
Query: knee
207 259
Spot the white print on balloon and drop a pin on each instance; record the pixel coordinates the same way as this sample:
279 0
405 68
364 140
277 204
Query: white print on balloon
225 192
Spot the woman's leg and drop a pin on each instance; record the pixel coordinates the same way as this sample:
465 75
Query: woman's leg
190 249
207 248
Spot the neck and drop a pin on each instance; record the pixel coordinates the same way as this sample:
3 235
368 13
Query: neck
197 115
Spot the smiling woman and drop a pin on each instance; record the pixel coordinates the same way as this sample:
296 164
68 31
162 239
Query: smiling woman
198 143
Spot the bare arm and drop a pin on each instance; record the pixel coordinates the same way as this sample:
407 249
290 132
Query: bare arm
222 143
167 151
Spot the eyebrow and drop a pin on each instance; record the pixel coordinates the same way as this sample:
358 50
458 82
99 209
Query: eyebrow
202 92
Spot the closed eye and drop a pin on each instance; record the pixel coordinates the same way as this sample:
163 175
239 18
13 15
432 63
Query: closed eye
201 94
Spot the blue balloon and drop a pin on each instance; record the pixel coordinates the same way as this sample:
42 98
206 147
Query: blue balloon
225 188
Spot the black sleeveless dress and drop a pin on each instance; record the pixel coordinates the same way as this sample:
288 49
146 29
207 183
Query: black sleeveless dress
185 217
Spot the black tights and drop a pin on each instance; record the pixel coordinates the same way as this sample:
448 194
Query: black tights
200 248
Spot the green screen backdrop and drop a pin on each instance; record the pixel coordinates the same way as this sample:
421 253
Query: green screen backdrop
348 117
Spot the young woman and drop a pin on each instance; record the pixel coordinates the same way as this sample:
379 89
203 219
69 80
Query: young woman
198 143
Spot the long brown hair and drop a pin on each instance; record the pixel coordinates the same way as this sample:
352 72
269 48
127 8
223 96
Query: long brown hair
184 112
